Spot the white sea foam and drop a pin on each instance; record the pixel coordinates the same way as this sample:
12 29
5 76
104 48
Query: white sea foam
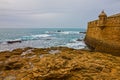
35 37
3 43
76 45
69 32
62 32
41 36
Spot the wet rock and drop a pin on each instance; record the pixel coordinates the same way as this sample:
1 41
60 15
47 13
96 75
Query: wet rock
10 78
54 51
79 40
13 64
17 51
69 64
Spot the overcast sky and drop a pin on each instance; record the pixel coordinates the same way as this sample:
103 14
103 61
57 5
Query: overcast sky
53 13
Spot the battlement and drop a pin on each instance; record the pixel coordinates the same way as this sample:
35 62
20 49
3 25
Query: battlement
93 23
111 21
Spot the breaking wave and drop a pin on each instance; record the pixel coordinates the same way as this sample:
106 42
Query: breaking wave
26 38
76 44
62 32
34 37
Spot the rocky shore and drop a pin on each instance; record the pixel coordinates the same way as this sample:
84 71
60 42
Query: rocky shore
58 63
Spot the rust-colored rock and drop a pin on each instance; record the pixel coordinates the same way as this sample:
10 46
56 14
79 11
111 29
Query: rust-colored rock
104 34
63 64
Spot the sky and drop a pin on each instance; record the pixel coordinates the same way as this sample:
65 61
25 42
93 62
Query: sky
53 13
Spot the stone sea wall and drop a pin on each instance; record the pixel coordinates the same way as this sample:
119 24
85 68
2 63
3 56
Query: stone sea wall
98 45
105 38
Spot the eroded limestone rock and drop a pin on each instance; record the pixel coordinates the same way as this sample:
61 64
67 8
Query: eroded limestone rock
69 64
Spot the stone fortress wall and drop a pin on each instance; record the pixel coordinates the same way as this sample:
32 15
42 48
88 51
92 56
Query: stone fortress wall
104 34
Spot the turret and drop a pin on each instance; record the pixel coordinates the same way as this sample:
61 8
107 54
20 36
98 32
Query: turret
102 19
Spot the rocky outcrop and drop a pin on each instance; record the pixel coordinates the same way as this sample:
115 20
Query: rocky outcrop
104 34
58 63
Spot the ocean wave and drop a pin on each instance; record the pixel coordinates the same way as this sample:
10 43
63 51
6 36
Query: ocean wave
62 32
41 35
69 32
76 45
81 38
26 38
34 37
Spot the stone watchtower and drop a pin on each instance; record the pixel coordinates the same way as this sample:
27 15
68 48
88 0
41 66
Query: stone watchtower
102 20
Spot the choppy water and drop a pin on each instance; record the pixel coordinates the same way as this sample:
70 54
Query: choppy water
41 38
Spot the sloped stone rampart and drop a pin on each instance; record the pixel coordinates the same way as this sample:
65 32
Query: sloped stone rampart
101 46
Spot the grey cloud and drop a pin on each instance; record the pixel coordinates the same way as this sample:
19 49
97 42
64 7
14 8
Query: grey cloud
53 13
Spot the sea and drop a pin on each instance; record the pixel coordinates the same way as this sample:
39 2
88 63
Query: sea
12 38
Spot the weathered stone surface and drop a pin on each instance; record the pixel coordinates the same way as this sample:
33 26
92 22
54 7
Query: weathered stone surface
104 34
69 64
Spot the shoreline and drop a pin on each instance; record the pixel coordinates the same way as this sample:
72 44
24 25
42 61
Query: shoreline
57 63
76 44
